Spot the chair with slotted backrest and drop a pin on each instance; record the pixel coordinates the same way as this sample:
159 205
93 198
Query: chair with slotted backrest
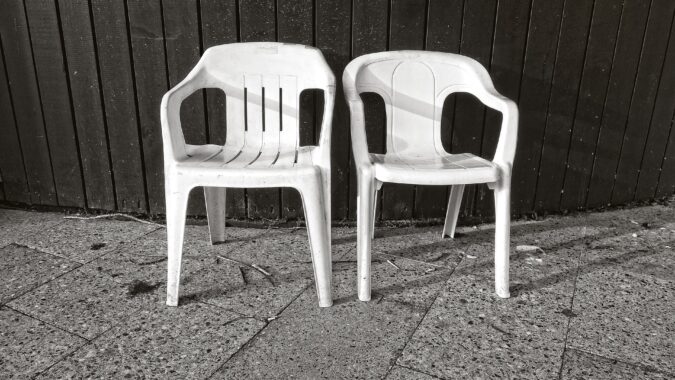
414 85
262 83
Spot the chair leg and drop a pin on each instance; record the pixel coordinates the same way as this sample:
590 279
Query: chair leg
176 207
215 212
364 225
315 208
502 195
374 200
454 203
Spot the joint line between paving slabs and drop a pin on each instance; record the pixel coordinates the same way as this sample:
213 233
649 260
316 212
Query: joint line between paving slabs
414 370
452 271
569 319
643 367
267 323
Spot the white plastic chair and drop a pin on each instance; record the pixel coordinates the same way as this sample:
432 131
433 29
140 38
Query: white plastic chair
262 84
414 85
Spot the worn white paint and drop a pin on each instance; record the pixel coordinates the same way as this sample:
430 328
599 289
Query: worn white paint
414 85
261 149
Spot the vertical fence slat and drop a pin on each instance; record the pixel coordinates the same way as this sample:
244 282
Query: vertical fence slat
644 98
406 32
219 26
369 35
542 41
258 23
506 67
15 186
334 39
561 108
26 102
112 41
590 105
295 24
82 69
182 43
56 106
666 185
469 116
618 101
147 42
660 127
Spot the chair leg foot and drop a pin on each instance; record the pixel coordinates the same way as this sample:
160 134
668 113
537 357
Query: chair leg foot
452 213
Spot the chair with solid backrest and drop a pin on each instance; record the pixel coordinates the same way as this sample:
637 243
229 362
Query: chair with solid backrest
414 85
262 83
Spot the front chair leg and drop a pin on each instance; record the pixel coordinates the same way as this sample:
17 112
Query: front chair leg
365 215
502 193
176 208
315 207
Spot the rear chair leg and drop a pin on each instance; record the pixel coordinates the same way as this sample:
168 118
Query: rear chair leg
452 213
215 212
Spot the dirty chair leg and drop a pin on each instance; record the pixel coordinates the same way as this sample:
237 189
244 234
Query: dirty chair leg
452 213
176 207
502 192
364 233
315 215
215 212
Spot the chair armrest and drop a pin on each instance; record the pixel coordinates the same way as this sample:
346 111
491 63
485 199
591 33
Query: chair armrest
357 115
172 132
323 151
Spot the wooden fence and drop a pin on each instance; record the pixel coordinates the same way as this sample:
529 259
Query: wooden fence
81 83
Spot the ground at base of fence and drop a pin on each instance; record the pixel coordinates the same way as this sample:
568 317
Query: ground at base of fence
592 296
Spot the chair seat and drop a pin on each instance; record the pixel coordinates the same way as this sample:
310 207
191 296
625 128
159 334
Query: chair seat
438 169
224 157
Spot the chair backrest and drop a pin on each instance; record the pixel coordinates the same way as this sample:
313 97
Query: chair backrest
414 85
262 82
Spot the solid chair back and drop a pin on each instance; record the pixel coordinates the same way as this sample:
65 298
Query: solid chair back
414 86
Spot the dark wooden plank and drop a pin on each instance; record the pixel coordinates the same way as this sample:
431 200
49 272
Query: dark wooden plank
506 67
477 31
660 126
147 42
15 186
542 41
444 28
81 60
369 35
295 24
26 101
54 92
219 26
117 82
592 93
644 99
183 50
333 38
406 32
666 186
561 108
618 101
258 23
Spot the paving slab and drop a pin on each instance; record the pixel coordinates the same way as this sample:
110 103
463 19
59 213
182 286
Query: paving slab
16 224
626 316
402 373
352 339
85 302
471 333
85 240
29 346
23 269
579 365
160 342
